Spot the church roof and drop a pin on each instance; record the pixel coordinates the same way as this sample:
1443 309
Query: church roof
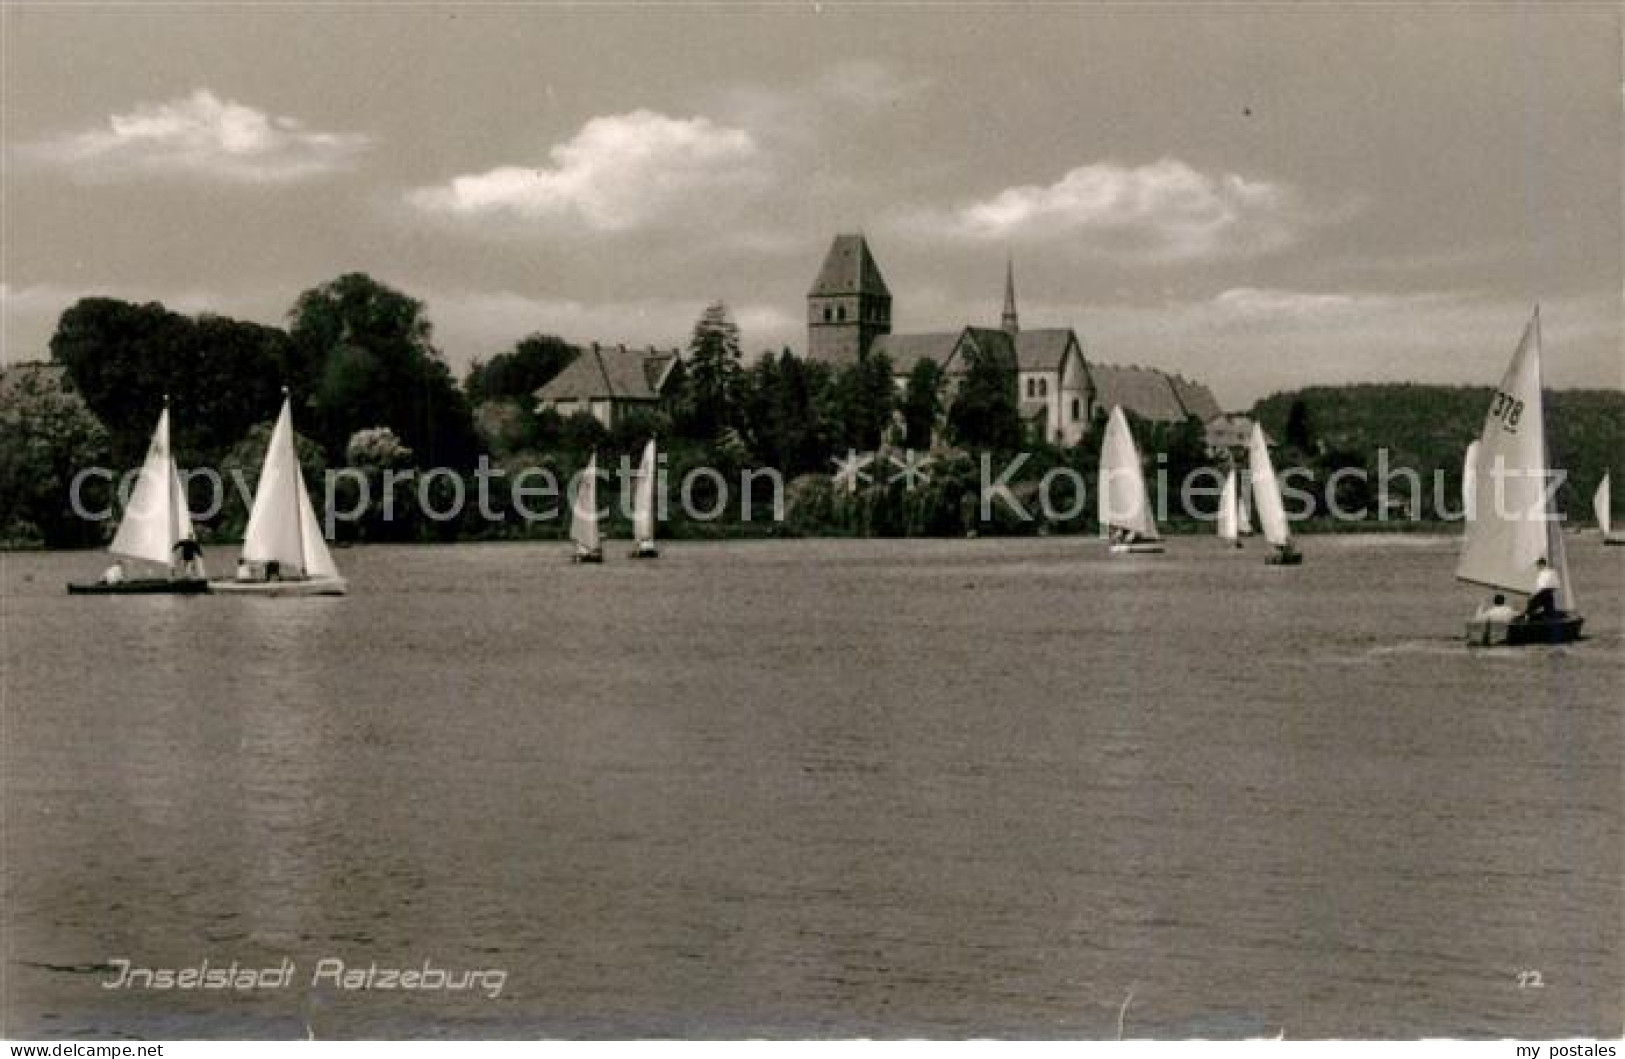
906 351
1197 399
1144 391
1042 350
994 342
849 268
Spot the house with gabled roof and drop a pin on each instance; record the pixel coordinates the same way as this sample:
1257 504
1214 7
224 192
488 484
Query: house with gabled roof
608 382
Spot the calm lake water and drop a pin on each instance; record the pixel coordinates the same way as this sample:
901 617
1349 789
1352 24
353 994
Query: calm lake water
820 788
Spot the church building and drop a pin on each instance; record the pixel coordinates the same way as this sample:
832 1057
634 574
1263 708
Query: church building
849 317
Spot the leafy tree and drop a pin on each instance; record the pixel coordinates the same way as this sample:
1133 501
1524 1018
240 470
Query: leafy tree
758 399
861 399
372 351
783 405
1297 427
519 372
47 436
581 433
985 412
708 400
802 439
376 448
1179 449
505 427
221 375
635 427
922 403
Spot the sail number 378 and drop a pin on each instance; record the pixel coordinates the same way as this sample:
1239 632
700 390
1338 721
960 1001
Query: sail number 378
1507 410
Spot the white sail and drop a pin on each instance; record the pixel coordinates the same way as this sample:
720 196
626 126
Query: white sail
1124 502
1558 556
1244 518
1469 482
584 515
156 517
183 513
1266 490
318 560
282 526
1602 507
1229 509
1514 526
643 498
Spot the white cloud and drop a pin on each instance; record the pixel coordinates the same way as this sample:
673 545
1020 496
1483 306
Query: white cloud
205 137
1255 302
619 172
1164 211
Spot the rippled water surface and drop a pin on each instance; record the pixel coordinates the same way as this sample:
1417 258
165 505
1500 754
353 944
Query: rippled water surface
876 788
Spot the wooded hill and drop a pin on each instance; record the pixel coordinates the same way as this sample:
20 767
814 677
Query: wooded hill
1428 428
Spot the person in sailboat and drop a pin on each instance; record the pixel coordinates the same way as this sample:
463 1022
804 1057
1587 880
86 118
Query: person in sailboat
1497 610
189 557
113 575
1543 603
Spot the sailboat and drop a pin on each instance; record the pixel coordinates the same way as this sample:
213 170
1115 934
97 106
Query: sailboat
156 521
584 516
284 552
1267 495
1602 507
1244 518
1469 480
1230 510
1513 532
1125 505
643 507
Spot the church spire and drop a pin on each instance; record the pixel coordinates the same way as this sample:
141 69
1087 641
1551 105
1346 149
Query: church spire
1009 325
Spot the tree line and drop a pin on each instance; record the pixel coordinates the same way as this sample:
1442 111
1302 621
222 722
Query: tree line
371 391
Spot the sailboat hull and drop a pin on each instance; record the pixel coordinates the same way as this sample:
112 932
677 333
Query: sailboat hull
317 586
588 557
644 553
1613 540
144 586
1292 558
1137 548
1521 632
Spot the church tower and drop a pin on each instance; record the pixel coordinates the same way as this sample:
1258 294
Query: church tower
1009 325
849 305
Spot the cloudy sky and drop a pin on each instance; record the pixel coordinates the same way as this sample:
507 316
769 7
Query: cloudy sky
1260 197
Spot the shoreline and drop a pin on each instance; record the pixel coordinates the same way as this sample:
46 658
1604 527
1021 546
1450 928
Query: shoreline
736 532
